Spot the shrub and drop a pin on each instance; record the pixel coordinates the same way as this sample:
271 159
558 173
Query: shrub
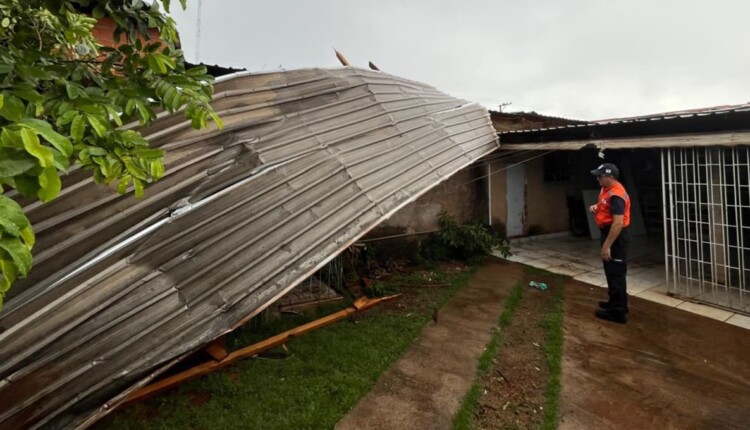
470 240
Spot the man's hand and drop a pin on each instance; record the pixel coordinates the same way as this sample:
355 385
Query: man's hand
592 209
606 253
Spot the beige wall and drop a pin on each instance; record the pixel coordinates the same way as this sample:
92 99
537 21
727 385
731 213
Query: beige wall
462 199
546 206
498 202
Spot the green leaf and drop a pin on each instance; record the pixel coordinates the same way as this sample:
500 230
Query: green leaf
75 91
157 169
148 153
166 60
66 118
155 64
11 138
10 273
122 187
33 147
97 151
27 185
134 170
44 129
12 218
19 253
1 101
129 106
13 108
217 120
143 110
78 127
99 126
27 234
138 187
14 162
28 94
50 185
60 161
114 115
196 71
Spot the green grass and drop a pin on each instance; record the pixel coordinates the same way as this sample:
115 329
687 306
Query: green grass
553 350
464 419
322 377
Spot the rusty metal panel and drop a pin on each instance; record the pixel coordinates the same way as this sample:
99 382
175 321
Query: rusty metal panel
309 161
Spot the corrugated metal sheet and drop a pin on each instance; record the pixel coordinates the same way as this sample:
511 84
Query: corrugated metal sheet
688 113
308 162
673 141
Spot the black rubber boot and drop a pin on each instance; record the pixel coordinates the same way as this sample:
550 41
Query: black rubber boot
614 315
607 305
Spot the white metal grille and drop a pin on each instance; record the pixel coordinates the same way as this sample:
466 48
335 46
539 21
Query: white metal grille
707 224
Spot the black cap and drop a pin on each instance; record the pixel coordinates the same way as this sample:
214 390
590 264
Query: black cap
607 169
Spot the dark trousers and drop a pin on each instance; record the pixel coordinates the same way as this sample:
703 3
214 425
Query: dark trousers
617 268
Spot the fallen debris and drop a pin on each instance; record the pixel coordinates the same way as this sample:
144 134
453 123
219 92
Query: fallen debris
361 304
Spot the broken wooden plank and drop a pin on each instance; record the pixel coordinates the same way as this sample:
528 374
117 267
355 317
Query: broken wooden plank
359 305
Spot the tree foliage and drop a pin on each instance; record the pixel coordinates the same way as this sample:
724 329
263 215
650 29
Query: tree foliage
65 99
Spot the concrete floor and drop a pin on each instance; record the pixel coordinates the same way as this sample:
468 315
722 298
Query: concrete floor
579 258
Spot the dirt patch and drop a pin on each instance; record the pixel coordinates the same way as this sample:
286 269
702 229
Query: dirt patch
665 369
513 395
424 388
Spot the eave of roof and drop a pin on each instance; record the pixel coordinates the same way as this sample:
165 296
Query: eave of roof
706 120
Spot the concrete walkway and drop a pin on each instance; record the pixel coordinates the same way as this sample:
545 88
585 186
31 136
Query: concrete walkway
579 258
425 387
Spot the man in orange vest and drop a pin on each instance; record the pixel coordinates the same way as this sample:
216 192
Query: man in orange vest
612 215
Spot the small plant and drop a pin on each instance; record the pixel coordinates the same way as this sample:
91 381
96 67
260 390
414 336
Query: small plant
378 289
470 240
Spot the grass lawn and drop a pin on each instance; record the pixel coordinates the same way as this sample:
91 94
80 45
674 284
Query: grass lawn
314 384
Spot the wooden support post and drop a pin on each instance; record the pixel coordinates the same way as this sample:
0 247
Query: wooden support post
361 304
342 59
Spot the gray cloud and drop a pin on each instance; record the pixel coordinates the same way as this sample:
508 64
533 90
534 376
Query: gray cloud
579 58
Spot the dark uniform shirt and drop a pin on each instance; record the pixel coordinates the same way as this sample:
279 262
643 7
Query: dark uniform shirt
616 205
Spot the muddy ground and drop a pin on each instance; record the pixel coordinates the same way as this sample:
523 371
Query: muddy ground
665 369
513 393
425 387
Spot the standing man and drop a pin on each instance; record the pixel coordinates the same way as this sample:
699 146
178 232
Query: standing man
612 215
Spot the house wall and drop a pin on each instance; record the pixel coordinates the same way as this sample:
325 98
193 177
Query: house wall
462 196
546 208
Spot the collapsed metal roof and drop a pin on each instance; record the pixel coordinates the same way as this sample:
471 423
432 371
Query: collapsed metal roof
308 162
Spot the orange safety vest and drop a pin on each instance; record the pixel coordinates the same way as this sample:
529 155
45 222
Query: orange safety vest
603 217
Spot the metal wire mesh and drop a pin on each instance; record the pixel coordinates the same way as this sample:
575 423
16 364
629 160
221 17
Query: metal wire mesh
707 224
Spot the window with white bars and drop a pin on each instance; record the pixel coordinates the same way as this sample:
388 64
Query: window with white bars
707 224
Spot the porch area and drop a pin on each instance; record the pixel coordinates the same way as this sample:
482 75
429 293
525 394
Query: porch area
579 258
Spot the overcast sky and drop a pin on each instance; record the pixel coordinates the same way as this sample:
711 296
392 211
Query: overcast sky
584 59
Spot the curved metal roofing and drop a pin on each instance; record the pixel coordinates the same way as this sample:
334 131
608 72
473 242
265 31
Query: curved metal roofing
309 161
